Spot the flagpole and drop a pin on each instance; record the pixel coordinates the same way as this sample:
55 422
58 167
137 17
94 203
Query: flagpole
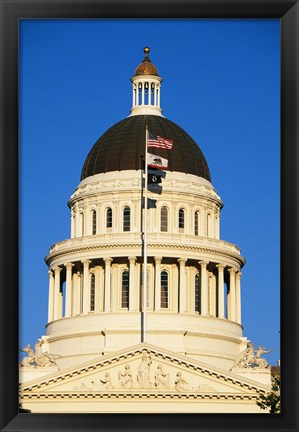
144 336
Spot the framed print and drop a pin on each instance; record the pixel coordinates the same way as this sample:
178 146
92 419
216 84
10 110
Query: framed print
171 136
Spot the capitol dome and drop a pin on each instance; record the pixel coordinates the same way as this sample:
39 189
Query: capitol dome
121 147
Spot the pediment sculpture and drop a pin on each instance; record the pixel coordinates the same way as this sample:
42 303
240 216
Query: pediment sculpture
38 358
251 357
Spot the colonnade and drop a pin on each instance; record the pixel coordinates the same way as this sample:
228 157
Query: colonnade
140 98
218 298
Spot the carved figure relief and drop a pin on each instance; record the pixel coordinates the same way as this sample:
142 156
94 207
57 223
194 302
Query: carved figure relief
137 376
143 377
125 377
181 384
161 378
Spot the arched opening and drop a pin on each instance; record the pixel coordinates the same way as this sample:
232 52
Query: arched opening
164 219
127 219
94 222
197 293
181 219
125 281
92 292
164 290
109 218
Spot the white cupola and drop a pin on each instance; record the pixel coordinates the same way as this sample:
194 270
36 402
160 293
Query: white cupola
146 84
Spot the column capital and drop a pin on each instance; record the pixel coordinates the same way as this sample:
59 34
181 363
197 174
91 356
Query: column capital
57 269
68 265
238 274
132 259
182 261
158 260
50 273
232 270
108 261
220 266
86 262
203 264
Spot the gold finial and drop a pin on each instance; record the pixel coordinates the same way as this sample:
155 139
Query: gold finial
146 51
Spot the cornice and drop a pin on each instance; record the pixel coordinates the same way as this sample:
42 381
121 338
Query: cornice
114 247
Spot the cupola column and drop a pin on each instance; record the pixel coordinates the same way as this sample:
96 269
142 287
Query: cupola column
220 268
238 297
158 261
183 289
57 300
132 297
51 296
232 295
204 287
86 286
107 294
68 289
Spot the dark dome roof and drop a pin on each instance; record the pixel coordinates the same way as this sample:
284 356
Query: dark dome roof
121 147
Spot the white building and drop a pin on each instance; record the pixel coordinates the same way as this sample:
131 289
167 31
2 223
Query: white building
102 353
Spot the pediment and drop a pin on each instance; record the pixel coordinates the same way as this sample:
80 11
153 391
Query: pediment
142 369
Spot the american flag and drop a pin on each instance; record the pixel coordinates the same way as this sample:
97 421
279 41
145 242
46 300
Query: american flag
158 141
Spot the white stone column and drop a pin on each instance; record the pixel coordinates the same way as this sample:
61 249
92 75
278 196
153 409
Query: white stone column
107 294
232 291
57 300
51 296
183 288
238 297
132 296
86 286
98 307
68 289
220 268
204 287
158 261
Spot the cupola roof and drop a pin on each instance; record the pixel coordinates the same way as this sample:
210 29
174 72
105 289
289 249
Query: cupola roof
146 67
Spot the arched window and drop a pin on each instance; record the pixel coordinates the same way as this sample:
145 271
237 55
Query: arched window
164 290
164 219
127 219
181 219
196 223
197 293
125 289
94 222
92 291
109 218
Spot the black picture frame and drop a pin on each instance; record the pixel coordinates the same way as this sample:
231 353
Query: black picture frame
11 13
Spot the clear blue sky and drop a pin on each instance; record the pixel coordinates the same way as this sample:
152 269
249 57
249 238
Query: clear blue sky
221 84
